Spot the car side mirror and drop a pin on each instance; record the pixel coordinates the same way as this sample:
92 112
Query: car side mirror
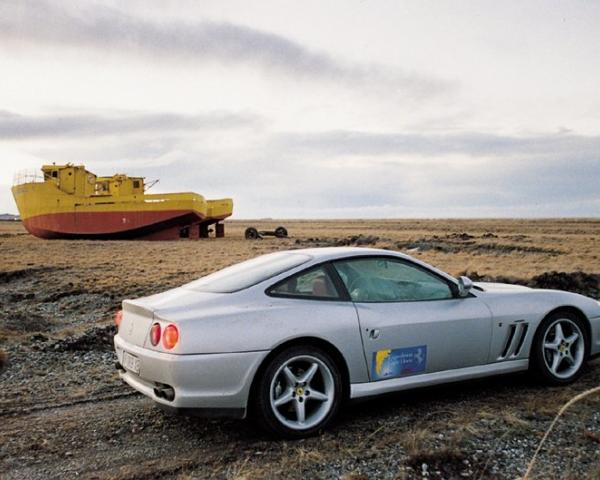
464 286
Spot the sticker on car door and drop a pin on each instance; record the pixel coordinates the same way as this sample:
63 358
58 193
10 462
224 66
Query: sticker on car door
399 362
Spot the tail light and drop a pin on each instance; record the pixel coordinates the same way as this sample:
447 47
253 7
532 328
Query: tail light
118 318
170 336
155 334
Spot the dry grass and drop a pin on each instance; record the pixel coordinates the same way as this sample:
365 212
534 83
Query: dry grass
441 428
564 408
416 441
145 262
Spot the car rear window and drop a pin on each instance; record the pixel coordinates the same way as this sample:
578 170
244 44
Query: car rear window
248 273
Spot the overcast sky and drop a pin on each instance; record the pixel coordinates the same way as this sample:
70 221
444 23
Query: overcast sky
313 109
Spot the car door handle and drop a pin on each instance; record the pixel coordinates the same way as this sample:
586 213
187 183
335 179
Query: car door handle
374 333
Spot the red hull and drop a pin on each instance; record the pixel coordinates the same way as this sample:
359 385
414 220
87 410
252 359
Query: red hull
150 225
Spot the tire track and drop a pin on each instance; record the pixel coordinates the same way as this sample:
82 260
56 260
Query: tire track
42 407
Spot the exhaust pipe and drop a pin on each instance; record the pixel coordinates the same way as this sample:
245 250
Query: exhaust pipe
164 391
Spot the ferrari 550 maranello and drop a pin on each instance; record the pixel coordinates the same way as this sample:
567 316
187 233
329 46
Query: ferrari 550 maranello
289 336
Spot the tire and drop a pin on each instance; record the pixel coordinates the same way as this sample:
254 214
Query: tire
281 232
251 233
558 356
297 394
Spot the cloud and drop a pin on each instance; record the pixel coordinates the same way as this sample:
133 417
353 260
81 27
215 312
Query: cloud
357 143
18 127
470 174
473 173
350 174
102 28
313 189
526 177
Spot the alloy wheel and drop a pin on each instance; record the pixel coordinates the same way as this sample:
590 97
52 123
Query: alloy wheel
563 348
302 392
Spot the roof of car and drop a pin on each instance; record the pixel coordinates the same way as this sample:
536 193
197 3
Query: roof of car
321 254
335 252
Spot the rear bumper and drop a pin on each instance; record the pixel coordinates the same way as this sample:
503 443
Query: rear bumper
218 382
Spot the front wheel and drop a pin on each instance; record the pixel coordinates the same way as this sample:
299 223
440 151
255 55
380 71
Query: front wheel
299 393
559 349
251 233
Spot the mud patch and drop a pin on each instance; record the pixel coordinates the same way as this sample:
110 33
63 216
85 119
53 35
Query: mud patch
354 240
55 297
476 277
443 463
96 305
466 243
579 282
3 360
97 338
6 277
11 235
19 297
26 322
587 284
460 236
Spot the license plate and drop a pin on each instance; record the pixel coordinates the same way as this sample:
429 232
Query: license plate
131 362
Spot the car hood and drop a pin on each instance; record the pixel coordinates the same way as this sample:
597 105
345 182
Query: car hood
500 287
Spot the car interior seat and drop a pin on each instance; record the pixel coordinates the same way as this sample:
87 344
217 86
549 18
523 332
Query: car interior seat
322 287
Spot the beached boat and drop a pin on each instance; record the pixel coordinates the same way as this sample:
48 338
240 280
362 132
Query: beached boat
71 202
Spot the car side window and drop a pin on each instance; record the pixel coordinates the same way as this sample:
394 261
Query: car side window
383 279
314 283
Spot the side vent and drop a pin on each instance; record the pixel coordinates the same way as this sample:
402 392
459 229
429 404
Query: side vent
509 340
515 338
523 334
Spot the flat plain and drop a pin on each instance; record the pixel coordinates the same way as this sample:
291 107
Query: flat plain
64 412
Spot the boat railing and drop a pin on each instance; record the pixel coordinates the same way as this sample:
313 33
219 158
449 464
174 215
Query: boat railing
27 176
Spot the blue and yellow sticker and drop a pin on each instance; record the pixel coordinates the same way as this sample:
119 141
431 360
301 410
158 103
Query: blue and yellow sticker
399 362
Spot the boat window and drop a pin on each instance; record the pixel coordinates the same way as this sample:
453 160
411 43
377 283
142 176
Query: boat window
248 273
136 184
54 173
101 187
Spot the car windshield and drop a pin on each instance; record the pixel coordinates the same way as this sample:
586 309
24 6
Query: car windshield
248 273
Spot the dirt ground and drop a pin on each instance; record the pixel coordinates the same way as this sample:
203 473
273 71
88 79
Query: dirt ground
64 413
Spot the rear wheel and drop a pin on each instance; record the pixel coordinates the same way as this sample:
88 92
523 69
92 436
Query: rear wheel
559 348
281 232
299 393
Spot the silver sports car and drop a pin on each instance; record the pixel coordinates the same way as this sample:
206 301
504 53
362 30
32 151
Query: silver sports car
287 337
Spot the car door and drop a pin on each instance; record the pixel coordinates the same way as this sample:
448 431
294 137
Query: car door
411 322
